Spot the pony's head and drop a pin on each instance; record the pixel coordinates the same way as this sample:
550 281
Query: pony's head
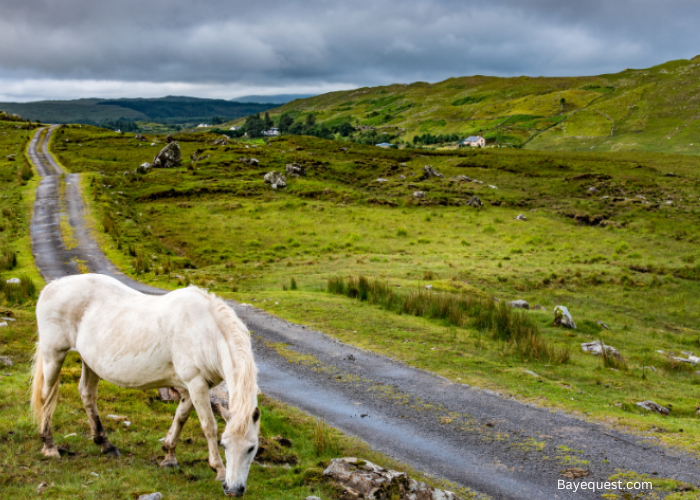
240 444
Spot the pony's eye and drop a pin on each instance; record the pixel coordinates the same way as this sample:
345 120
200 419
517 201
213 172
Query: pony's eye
251 449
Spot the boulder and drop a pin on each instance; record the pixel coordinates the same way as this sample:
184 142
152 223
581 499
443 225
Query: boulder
597 347
429 171
592 189
275 179
362 479
562 317
655 407
254 162
168 157
143 168
221 141
140 137
462 178
152 496
295 170
475 202
419 194
519 304
4 360
521 217
382 180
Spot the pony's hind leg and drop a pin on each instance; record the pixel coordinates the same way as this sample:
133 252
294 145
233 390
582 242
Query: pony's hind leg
181 415
88 393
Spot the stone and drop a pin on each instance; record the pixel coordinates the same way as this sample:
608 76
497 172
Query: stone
254 162
152 496
140 137
592 189
603 325
343 149
597 346
4 360
382 180
143 168
519 304
562 317
275 179
419 194
168 157
655 407
475 202
429 171
462 178
295 170
3 324
221 141
13 281
521 217
42 488
492 186
402 177
363 479
312 498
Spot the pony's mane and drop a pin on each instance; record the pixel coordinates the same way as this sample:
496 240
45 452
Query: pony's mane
243 393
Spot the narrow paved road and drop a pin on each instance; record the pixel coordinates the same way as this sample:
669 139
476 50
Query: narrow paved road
472 437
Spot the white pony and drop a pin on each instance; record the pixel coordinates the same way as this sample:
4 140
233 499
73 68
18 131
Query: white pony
187 338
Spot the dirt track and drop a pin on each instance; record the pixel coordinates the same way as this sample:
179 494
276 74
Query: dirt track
469 436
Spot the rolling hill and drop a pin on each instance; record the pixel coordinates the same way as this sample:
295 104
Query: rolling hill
171 110
654 109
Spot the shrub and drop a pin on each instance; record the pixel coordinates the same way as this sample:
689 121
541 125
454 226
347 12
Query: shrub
401 232
8 259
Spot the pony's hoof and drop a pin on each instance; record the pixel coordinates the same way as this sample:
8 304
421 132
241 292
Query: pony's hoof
169 463
112 452
51 452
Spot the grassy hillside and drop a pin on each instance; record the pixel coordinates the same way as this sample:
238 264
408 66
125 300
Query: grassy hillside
171 110
624 253
653 109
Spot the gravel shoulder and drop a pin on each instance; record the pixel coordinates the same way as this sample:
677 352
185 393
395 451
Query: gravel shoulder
475 438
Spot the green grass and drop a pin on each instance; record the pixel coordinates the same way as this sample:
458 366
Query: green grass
621 255
648 110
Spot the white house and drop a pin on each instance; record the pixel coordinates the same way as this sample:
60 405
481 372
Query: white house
235 128
203 125
474 141
272 132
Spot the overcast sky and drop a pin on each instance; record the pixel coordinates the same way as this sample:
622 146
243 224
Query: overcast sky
226 48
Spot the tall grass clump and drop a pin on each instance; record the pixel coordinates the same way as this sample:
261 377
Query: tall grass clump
8 259
110 225
515 329
141 264
18 293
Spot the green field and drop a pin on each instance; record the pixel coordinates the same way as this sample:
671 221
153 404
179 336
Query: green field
625 254
280 471
638 110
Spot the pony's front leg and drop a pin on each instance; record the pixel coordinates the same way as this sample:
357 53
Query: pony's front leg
199 392
181 415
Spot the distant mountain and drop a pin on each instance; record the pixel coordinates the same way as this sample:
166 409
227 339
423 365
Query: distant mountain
652 109
180 110
274 99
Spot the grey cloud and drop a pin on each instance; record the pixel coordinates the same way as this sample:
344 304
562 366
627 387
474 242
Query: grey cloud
276 44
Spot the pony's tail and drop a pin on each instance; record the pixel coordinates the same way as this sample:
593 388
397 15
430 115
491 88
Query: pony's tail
40 406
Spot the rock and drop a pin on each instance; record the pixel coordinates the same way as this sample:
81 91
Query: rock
402 165
521 217
492 186
692 359
597 346
3 324
275 179
42 488
562 317
429 171
220 142
169 394
651 406
603 325
143 168
13 281
475 202
419 194
254 162
519 304
382 180
538 307
295 170
366 480
312 498
462 178
140 137
592 189
169 138
168 157
4 360
530 372
152 496
402 177
343 149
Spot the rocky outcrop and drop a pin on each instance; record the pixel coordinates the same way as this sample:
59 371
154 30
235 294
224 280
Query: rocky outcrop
362 479
168 157
295 170
655 407
275 179
475 202
419 194
597 347
429 172
519 304
562 317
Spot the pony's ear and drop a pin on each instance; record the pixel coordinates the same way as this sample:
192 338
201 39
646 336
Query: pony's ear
256 414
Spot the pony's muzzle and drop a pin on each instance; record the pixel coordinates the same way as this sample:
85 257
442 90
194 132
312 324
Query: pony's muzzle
236 491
